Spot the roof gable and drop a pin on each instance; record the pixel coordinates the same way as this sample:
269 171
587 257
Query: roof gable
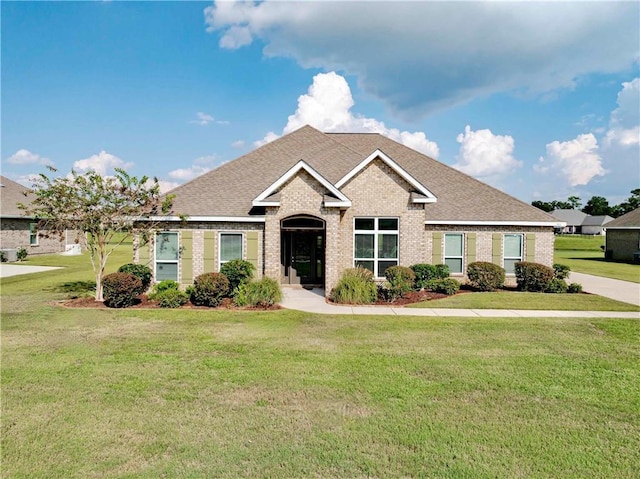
268 196
628 220
12 193
424 195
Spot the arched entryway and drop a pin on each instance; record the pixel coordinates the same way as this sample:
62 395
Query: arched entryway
302 240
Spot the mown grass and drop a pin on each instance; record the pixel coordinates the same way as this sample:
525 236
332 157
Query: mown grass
583 254
528 301
193 393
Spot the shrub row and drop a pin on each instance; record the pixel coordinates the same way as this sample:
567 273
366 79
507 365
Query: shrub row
121 289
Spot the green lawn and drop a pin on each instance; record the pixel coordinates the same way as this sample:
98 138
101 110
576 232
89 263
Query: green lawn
530 301
583 255
200 394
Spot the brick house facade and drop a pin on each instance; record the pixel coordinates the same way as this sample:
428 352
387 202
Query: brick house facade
309 205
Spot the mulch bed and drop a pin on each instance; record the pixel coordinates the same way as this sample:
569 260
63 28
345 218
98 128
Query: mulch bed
143 302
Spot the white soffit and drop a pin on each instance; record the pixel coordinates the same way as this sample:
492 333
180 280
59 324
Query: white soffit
341 199
428 196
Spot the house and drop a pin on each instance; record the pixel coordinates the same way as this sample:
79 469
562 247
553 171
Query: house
310 204
623 238
595 225
578 222
18 230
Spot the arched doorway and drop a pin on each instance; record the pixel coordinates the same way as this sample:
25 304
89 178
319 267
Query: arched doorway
302 240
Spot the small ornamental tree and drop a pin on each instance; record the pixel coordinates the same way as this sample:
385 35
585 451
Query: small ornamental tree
103 211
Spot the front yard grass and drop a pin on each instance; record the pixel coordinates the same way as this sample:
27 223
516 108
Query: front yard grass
529 301
199 394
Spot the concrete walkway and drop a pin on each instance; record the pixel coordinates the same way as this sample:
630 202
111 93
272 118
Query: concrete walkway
313 301
609 288
13 269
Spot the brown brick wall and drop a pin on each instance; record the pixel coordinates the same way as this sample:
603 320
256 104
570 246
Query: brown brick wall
14 233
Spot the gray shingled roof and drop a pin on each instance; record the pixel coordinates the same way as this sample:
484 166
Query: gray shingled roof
229 189
599 220
11 193
629 220
571 217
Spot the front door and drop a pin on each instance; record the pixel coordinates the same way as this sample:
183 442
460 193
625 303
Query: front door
303 257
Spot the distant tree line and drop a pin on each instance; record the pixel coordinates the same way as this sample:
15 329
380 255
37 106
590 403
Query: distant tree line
596 206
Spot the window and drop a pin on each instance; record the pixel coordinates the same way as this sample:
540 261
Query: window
376 244
454 252
166 254
512 252
33 234
230 247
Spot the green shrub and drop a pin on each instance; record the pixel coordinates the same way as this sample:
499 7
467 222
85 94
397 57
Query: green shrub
442 271
424 272
533 277
574 288
240 295
557 285
139 270
162 286
3 257
171 298
209 289
561 271
400 278
237 271
356 286
485 276
21 254
120 289
448 286
263 293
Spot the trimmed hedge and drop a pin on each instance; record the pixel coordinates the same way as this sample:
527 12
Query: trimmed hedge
356 286
209 289
534 277
171 298
448 286
140 271
574 288
120 290
426 272
400 279
485 276
561 271
237 271
557 285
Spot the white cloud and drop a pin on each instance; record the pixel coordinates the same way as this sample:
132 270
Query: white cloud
577 160
624 125
420 56
167 185
327 107
199 167
103 163
238 144
485 155
25 157
202 119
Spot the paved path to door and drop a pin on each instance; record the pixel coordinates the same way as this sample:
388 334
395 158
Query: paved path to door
609 288
13 269
313 301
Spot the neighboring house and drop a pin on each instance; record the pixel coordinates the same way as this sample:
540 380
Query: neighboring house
308 205
573 219
623 237
581 223
18 230
595 225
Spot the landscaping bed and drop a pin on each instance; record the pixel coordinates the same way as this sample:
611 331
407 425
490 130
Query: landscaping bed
143 302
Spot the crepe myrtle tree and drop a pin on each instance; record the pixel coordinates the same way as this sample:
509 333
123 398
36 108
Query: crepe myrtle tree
104 211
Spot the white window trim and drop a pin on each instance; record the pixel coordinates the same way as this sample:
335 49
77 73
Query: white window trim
375 232
165 261
36 234
461 257
242 249
519 258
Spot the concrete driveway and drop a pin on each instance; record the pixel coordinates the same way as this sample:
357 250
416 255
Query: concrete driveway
13 269
607 287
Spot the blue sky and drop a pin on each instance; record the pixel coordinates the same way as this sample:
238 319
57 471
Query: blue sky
538 99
